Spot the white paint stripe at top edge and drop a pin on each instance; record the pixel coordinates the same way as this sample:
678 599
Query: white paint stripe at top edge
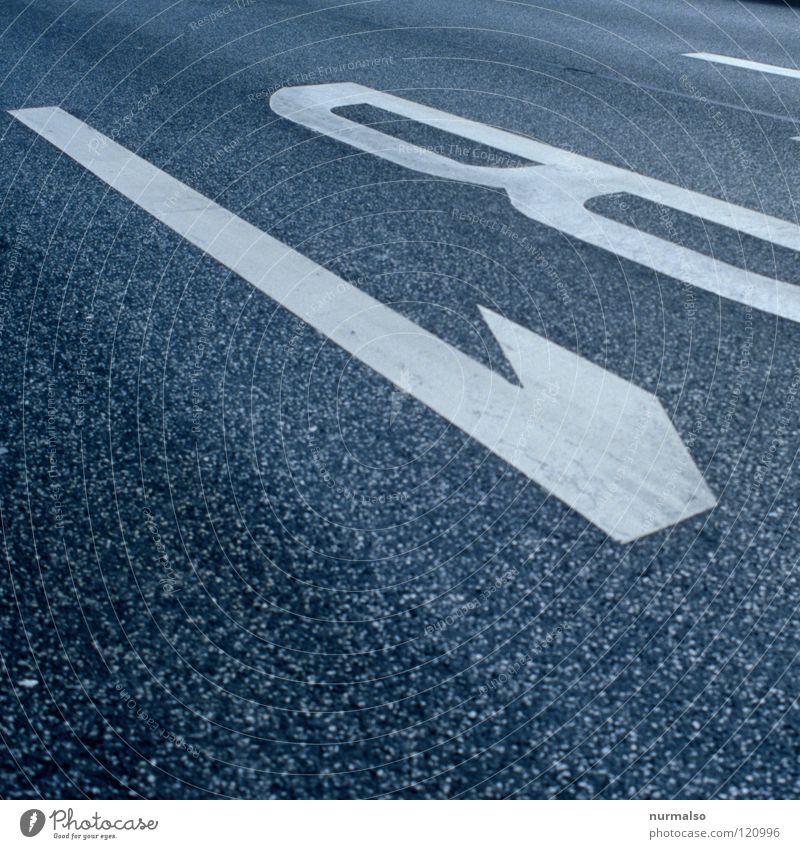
747 64
602 445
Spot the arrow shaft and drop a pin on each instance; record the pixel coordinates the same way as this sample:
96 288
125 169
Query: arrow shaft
454 385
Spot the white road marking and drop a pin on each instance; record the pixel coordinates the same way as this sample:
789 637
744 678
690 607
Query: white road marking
719 59
602 445
555 192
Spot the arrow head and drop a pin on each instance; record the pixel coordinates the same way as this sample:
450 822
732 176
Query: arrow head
601 444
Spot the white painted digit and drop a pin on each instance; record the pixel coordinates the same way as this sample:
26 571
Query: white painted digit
555 192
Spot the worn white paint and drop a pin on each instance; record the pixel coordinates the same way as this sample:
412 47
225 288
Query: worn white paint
602 445
556 191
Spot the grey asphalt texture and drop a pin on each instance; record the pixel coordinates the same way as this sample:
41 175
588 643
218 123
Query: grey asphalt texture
239 564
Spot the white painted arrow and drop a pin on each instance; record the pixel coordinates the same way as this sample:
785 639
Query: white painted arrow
602 445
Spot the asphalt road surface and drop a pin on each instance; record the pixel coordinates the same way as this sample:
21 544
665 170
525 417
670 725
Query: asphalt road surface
251 550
